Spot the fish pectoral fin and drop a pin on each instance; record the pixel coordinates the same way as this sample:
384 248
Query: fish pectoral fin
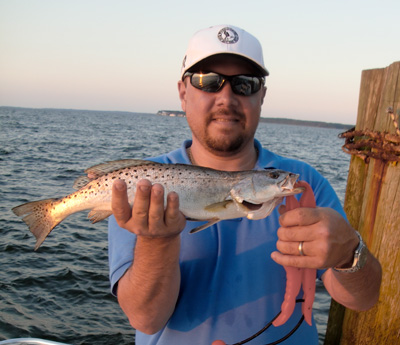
218 206
96 215
205 226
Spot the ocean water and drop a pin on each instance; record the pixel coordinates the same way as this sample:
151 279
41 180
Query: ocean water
61 292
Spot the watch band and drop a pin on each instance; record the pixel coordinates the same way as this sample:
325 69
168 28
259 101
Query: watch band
360 258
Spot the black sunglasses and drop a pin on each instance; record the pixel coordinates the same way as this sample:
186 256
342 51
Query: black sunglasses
241 84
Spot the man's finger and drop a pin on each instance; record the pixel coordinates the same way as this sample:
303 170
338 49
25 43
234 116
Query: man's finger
173 216
156 207
298 233
282 209
295 260
172 209
141 204
300 216
119 202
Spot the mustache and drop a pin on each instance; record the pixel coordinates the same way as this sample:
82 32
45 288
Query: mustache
227 112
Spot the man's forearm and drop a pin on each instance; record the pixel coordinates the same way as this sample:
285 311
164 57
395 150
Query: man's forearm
149 289
358 290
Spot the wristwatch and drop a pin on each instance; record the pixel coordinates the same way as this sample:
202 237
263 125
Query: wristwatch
360 258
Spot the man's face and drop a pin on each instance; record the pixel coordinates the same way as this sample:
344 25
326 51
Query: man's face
222 122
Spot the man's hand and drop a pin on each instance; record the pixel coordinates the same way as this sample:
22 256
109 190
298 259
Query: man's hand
147 217
149 289
328 240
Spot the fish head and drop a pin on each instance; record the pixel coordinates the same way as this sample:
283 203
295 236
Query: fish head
261 191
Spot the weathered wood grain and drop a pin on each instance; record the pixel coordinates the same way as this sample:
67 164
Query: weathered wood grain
372 204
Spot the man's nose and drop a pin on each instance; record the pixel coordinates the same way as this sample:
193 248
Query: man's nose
225 95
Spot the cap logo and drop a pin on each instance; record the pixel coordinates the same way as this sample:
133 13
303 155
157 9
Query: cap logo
228 35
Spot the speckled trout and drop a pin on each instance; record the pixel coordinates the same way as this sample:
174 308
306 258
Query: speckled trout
204 194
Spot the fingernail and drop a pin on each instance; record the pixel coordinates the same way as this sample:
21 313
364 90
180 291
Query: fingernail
119 185
157 191
144 188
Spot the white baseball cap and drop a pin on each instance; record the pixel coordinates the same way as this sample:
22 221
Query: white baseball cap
223 39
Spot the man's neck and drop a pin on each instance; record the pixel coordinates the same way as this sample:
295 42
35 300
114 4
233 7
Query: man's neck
242 160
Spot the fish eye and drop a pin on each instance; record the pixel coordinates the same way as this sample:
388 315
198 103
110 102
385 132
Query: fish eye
273 174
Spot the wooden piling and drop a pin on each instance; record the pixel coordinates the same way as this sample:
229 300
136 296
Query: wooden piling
372 204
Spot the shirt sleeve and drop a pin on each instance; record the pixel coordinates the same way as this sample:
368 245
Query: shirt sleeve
121 244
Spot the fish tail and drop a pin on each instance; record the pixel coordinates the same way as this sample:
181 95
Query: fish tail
41 217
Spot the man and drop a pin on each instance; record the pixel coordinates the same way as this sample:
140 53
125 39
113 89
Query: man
227 282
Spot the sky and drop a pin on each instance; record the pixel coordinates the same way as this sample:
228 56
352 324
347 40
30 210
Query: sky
126 55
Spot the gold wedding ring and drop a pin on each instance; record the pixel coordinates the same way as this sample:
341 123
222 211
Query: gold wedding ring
301 248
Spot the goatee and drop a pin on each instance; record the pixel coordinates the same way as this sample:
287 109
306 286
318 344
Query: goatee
226 143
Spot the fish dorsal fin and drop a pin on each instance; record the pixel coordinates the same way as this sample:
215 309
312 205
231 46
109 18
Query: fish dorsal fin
101 169
81 181
107 167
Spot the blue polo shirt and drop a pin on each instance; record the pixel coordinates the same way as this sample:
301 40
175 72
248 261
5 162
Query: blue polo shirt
230 286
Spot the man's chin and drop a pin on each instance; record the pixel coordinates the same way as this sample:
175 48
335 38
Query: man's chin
224 145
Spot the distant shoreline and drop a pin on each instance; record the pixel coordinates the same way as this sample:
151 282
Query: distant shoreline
176 113
276 120
320 124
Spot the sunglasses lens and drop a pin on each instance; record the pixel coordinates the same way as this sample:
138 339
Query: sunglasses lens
212 82
208 82
245 85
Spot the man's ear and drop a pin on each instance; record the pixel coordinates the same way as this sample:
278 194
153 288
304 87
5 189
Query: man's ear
182 94
264 93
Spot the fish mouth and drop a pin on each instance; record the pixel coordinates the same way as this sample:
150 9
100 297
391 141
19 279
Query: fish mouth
288 185
250 206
